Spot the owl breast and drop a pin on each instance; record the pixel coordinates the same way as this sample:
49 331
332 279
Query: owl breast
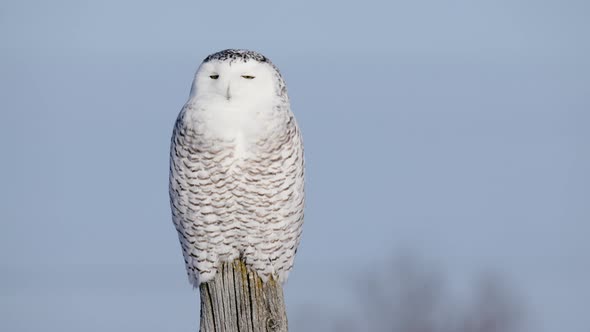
237 190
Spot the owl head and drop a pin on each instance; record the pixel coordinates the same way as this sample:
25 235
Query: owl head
238 77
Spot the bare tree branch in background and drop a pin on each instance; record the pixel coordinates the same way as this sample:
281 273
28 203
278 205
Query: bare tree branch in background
493 308
411 295
393 296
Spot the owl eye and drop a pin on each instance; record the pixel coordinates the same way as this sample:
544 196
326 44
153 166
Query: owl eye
248 77
214 77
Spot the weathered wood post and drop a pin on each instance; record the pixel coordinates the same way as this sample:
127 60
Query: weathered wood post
237 300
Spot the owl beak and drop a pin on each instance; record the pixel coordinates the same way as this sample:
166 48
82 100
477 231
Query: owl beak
228 93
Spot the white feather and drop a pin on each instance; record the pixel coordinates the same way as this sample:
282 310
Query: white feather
236 180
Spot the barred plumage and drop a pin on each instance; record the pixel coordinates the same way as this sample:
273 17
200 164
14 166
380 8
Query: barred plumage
237 169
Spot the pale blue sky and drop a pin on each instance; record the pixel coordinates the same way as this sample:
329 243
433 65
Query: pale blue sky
458 129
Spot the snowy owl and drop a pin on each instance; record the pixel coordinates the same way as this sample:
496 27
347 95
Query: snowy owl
237 169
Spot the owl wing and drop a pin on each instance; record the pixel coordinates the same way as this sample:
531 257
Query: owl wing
193 202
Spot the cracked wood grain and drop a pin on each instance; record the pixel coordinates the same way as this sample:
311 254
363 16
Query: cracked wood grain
238 300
